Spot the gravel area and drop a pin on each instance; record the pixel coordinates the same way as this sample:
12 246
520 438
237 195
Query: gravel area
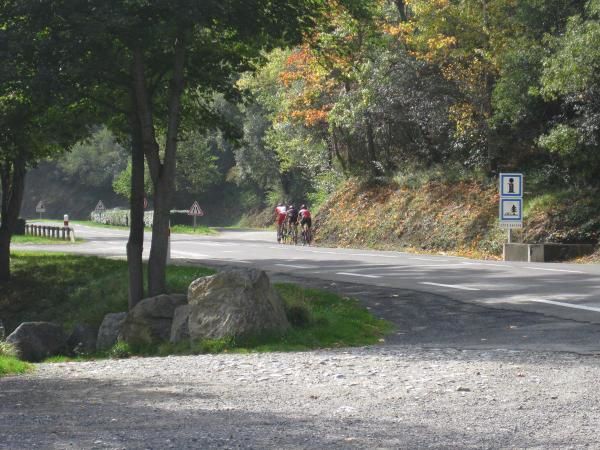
452 375
377 397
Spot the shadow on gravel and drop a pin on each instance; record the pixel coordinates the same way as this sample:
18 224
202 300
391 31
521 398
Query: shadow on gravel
88 413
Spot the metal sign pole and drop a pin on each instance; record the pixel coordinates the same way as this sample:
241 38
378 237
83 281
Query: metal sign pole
510 235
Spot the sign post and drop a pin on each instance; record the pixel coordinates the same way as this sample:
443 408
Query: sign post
195 211
40 208
511 202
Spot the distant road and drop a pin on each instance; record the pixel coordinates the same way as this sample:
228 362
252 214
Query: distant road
569 291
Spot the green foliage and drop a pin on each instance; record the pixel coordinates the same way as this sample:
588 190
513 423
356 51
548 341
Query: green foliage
95 161
562 139
12 366
71 289
120 350
7 349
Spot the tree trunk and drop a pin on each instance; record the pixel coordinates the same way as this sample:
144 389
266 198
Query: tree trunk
162 173
135 244
12 177
371 150
401 9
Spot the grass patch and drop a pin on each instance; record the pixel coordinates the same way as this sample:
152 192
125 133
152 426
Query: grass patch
68 289
37 240
188 229
9 365
319 320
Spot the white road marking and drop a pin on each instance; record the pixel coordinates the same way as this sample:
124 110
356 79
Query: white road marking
453 286
485 264
189 254
373 255
567 305
431 259
358 275
296 267
325 253
555 270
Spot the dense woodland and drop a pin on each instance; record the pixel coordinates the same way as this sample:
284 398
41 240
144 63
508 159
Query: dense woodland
287 103
476 87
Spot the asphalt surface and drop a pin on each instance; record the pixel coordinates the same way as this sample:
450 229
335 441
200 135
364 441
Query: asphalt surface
432 300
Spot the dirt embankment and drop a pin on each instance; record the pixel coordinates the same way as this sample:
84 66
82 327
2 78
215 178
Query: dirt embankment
459 218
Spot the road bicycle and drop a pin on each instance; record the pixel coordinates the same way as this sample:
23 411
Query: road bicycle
281 232
306 235
293 233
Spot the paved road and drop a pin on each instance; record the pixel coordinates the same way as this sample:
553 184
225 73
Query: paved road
569 291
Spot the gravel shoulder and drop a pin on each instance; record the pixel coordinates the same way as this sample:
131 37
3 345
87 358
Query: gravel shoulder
453 375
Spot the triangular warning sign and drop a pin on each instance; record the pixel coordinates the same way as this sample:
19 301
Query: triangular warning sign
100 206
40 207
195 210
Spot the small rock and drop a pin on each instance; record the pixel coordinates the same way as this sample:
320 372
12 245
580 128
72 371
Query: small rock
463 389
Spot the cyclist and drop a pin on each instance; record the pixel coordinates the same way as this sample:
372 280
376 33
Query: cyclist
305 223
281 214
292 220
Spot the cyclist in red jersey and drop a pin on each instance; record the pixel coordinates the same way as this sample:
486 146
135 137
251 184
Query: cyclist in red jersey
281 215
305 223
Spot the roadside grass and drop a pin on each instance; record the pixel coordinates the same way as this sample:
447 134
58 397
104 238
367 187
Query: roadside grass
319 320
70 289
188 229
37 240
182 229
9 363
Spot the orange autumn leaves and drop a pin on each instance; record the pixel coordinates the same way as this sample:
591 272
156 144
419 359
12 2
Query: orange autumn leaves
306 85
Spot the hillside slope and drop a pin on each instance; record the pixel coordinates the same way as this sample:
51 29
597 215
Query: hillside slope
458 218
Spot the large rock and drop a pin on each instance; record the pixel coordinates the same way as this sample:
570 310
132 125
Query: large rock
109 330
234 302
180 330
82 340
149 322
36 341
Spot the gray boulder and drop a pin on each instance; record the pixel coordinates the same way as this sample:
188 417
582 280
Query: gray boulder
179 329
234 302
36 341
82 340
149 322
109 330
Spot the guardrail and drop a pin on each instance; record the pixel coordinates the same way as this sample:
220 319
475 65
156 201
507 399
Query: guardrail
47 231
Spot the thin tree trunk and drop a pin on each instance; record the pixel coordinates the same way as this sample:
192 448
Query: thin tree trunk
165 185
135 244
12 176
162 173
400 5
371 150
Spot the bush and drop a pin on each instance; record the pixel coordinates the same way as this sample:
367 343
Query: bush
120 350
7 349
